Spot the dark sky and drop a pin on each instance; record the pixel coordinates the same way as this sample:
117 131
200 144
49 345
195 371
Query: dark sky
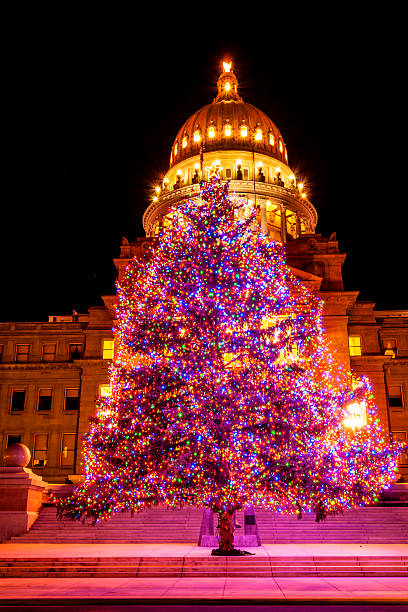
94 103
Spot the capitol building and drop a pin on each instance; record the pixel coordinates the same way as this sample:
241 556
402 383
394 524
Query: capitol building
52 371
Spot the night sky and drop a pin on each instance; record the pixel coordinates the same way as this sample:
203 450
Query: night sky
93 107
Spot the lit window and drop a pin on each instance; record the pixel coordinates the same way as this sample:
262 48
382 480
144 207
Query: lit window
71 399
272 140
244 131
44 400
40 450
227 130
104 391
108 347
67 450
211 131
17 400
355 345
395 397
48 352
280 146
22 352
184 143
286 155
227 86
258 134
175 149
390 347
197 136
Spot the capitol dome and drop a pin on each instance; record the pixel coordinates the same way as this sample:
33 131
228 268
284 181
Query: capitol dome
228 123
248 150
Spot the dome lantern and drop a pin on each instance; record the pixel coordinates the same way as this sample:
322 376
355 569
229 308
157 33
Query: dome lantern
227 85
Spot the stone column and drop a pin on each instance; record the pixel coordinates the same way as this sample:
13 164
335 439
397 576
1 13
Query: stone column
283 222
264 218
21 493
298 226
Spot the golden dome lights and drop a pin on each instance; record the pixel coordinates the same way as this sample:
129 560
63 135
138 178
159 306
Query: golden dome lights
211 130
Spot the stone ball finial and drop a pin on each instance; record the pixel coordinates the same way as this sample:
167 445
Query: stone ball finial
17 455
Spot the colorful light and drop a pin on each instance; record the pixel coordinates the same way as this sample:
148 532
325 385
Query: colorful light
224 390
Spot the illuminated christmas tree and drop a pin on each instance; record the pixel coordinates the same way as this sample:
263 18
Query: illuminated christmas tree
224 390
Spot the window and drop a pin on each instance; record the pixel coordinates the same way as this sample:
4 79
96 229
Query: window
75 351
244 131
40 450
197 136
280 146
71 399
395 397
401 436
390 347
108 347
272 140
211 131
227 130
258 134
48 352
13 439
17 400
67 450
228 173
355 345
22 352
44 400
184 142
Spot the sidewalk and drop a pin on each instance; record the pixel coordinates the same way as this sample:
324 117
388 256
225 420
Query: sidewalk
13 590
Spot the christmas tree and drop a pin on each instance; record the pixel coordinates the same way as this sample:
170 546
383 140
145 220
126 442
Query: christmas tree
224 390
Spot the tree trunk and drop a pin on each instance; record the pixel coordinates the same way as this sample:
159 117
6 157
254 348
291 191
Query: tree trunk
226 527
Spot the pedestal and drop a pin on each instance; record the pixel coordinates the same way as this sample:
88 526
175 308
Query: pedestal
21 497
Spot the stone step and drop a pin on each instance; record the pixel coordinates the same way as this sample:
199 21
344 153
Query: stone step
207 566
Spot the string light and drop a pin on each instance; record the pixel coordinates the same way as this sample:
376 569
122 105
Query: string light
224 390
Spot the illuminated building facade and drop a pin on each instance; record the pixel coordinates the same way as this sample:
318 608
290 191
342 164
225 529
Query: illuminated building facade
51 372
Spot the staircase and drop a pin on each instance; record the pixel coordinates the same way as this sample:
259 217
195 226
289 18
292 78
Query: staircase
155 567
370 524
373 524
153 525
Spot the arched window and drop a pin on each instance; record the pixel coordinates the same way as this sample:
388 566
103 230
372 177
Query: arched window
244 131
175 149
227 129
211 131
197 136
271 139
280 146
258 134
184 142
